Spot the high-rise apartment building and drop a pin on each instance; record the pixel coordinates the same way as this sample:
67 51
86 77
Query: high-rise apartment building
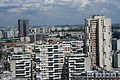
98 41
116 53
49 59
74 65
23 26
8 34
116 44
116 59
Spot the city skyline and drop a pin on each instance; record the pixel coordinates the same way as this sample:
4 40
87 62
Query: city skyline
56 12
61 53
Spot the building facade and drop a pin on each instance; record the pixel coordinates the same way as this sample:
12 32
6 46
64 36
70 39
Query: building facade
20 66
98 41
48 59
74 65
98 75
23 27
51 60
116 44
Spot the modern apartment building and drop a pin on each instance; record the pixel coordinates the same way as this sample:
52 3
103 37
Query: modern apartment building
116 44
8 34
98 41
20 66
49 58
98 75
74 65
23 27
116 59
52 59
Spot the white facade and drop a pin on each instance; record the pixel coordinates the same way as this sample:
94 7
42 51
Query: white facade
1 34
116 59
9 34
98 41
20 65
22 48
77 63
116 44
50 58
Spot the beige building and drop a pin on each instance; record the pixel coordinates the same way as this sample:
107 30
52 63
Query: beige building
49 59
20 66
98 41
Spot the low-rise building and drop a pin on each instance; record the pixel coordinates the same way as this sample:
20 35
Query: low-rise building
98 75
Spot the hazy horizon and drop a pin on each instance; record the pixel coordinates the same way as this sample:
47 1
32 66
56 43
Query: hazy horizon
56 12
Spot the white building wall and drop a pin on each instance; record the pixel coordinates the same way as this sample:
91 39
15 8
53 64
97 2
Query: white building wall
98 41
118 56
1 34
118 44
21 65
52 59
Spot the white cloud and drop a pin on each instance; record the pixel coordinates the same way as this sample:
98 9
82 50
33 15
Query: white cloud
103 10
49 1
67 0
85 3
103 1
47 5
14 10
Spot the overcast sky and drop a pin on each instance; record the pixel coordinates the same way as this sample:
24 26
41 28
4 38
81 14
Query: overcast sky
52 12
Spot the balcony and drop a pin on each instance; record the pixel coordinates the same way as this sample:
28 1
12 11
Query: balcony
37 79
37 50
37 60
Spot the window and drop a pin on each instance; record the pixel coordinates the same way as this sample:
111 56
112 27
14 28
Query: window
104 29
50 64
27 73
27 64
19 72
49 49
20 67
56 47
79 65
56 56
27 69
50 59
80 60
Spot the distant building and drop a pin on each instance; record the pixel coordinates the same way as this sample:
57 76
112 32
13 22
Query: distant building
24 39
23 27
37 37
1 34
98 41
1 68
9 34
116 44
98 75
116 53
